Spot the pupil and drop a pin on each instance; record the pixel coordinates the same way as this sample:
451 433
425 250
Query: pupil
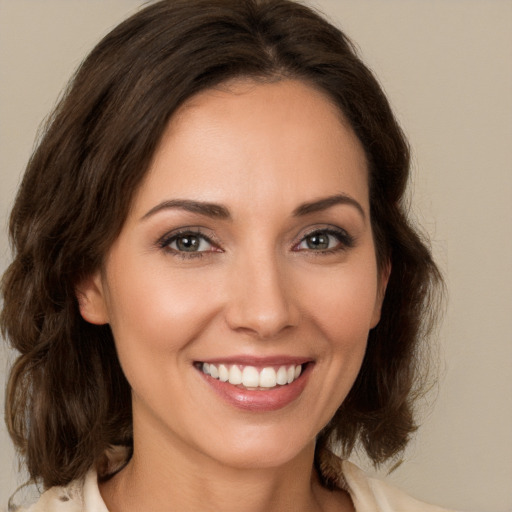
187 243
318 242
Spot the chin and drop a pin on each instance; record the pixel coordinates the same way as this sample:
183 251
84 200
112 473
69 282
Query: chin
260 448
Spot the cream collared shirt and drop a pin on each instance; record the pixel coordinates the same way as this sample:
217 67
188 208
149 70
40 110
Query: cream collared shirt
368 495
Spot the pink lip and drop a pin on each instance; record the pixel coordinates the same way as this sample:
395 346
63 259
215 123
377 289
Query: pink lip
259 401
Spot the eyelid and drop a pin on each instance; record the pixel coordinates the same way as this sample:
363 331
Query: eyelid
164 241
346 240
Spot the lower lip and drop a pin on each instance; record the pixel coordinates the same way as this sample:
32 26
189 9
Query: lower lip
272 399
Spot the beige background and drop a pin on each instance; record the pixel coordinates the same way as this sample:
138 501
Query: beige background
447 68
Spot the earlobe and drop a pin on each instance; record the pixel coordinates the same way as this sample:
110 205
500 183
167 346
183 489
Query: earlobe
91 300
384 274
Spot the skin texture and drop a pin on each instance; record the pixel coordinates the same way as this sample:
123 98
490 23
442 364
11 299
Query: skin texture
257 290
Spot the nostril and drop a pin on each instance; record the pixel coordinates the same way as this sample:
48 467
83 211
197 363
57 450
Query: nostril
262 324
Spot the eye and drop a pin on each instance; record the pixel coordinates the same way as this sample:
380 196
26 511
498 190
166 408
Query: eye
325 240
187 243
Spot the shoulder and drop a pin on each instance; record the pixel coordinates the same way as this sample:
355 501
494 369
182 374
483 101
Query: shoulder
368 494
81 495
372 494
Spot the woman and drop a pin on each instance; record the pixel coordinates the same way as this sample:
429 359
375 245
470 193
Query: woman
215 284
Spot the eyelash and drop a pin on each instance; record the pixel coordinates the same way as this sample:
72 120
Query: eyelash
346 241
169 238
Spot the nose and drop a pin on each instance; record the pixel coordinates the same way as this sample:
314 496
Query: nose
262 302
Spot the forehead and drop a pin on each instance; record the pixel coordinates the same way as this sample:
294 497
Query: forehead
246 140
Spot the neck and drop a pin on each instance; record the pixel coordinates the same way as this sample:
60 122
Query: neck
151 481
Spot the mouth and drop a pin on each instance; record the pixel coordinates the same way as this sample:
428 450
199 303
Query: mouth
250 377
257 385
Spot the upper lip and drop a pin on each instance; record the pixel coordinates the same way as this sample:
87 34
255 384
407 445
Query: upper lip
247 360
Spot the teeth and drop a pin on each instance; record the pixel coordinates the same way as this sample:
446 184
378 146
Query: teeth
252 378
223 373
214 372
268 378
282 376
291 373
235 375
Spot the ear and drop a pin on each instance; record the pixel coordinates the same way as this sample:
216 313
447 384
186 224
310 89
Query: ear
383 277
90 294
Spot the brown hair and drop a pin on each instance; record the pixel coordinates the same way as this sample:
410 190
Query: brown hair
67 398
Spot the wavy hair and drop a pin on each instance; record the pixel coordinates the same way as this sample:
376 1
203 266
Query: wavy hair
67 398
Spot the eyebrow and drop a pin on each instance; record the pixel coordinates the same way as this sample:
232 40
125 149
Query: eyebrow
218 211
328 202
213 210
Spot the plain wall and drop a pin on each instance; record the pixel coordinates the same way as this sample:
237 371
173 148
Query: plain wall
447 68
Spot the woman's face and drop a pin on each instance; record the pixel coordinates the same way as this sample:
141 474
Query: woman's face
247 258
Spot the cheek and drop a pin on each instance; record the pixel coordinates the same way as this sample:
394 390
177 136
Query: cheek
340 306
343 302
153 313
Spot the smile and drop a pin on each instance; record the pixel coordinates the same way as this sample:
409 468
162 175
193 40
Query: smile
257 384
252 378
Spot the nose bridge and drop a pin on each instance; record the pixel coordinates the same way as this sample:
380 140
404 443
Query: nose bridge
261 301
